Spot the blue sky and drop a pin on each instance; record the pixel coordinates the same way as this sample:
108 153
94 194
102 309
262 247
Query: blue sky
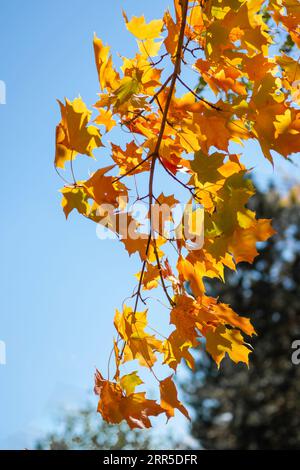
59 283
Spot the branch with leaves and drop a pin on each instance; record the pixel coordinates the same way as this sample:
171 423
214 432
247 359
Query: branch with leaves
256 96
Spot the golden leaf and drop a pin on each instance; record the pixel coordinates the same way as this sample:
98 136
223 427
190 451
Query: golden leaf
73 134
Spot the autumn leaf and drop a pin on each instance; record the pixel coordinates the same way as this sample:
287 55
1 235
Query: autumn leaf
105 119
243 244
177 348
169 400
173 32
73 134
104 190
129 382
108 77
142 30
221 340
149 47
74 198
207 167
193 274
150 277
128 87
138 343
135 409
130 158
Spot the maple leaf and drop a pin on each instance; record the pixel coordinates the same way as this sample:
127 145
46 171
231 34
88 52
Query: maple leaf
173 31
138 244
207 167
215 312
243 244
108 77
169 400
142 30
128 159
74 198
129 87
207 317
129 382
104 190
115 407
175 348
193 274
290 67
185 316
138 344
105 119
221 340
150 277
222 76
73 134
149 47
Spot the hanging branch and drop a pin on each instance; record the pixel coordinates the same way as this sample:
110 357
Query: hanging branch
257 98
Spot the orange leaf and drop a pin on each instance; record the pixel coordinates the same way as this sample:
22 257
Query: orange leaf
169 400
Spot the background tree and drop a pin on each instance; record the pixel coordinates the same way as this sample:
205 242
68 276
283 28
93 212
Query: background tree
237 408
81 430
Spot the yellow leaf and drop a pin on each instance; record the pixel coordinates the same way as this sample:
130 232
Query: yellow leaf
173 33
150 277
105 119
73 134
129 382
74 198
128 87
142 30
221 340
139 344
176 348
149 47
108 77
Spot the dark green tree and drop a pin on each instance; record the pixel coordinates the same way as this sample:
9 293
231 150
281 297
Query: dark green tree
259 408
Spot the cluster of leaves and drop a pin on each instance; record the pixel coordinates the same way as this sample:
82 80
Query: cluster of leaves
237 408
231 45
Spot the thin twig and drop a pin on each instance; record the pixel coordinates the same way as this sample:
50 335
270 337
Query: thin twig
199 97
72 169
132 169
140 113
61 177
